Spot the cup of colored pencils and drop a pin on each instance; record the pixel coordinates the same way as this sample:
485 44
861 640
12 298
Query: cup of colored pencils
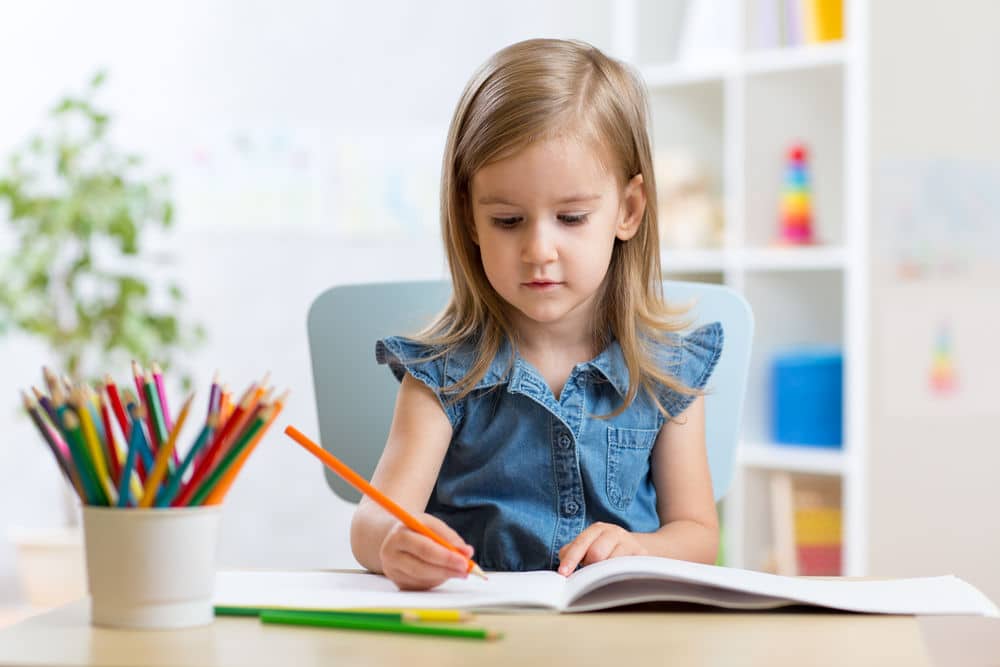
151 506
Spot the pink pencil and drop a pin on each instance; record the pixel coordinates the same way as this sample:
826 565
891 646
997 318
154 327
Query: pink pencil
162 394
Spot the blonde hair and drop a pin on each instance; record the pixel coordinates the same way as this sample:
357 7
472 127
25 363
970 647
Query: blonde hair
530 91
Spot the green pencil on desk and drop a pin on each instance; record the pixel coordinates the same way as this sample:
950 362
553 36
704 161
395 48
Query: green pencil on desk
352 622
386 614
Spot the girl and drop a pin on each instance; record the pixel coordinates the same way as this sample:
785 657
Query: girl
552 415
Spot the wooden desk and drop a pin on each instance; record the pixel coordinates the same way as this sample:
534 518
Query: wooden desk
63 637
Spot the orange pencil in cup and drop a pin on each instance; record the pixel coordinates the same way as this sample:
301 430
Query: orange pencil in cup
359 483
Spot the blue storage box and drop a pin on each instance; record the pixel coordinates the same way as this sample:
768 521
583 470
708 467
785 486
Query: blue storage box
807 397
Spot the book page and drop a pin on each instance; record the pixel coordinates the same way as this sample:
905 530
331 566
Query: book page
928 595
339 590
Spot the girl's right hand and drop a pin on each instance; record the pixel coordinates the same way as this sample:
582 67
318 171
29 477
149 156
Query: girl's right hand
415 562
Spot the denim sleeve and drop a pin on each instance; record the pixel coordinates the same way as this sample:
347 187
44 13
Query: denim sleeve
692 361
406 356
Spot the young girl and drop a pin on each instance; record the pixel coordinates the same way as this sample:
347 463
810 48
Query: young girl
551 416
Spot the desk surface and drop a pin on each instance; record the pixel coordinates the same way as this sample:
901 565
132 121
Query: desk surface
63 637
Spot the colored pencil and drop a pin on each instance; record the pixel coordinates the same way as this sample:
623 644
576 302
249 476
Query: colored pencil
92 487
153 403
82 404
359 483
110 442
132 453
50 411
144 461
208 485
230 429
49 436
396 617
161 394
219 494
116 406
226 400
327 621
163 458
214 394
177 477
51 381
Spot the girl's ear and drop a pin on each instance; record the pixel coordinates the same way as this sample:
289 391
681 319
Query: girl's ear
634 205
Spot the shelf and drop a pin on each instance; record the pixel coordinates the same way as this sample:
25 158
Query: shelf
814 258
693 261
798 58
816 460
674 75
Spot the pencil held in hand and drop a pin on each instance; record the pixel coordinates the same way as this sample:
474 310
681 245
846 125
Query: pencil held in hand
359 483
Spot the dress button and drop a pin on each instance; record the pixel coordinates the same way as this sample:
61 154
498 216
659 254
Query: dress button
571 508
564 441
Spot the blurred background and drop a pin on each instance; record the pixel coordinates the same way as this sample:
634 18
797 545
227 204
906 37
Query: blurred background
836 161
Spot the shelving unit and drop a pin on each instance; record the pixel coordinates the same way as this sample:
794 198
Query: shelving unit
738 114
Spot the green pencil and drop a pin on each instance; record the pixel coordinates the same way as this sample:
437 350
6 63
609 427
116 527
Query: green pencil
324 620
208 484
395 617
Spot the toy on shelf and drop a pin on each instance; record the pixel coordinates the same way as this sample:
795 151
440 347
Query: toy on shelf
690 216
796 209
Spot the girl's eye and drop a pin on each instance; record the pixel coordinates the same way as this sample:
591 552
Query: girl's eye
506 222
577 219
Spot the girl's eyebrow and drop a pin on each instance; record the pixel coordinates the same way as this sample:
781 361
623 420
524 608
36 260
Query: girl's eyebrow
572 199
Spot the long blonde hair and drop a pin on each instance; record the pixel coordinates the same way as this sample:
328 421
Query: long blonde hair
526 92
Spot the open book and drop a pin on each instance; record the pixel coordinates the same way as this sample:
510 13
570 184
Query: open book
610 583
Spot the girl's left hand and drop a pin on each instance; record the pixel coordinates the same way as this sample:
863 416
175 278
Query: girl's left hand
598 542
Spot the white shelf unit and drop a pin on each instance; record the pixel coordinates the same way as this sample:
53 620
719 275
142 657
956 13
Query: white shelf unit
738 114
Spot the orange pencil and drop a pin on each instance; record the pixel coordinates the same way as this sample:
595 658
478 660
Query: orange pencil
220 491
163 457
359 483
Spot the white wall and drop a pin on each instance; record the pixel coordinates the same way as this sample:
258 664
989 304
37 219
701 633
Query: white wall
315 71
934 462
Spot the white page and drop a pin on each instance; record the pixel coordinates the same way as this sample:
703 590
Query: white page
332 590
928 595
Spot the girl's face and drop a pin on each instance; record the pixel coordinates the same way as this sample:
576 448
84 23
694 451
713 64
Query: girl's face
546 220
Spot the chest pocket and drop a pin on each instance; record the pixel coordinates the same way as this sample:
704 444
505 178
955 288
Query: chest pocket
628 462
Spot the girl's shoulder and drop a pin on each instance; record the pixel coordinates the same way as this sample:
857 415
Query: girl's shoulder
690 358
438 367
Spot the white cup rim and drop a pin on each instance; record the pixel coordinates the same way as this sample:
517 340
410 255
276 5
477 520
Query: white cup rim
152 511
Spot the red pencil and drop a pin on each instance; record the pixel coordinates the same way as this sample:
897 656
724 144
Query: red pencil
116 405
114 465
215 450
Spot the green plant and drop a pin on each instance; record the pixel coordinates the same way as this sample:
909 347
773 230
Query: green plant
76 276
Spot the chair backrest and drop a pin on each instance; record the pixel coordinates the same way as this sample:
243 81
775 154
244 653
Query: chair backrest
355 398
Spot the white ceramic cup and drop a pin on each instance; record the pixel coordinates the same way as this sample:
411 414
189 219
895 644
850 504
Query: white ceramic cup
151 568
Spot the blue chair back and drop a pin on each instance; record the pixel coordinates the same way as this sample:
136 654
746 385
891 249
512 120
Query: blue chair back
355 398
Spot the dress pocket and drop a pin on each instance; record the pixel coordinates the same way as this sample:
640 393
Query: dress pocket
628 462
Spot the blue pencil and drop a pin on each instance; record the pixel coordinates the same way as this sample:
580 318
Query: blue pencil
144 450
123 485
173 486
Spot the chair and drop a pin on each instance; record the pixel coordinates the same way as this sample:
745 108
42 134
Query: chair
355 397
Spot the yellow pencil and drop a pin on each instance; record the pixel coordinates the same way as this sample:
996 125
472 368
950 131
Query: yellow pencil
431 615
163 458
81 402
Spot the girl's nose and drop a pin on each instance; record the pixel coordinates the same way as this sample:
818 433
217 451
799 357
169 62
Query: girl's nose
539 244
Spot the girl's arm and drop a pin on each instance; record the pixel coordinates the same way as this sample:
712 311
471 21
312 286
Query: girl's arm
684 497
409 466
684 502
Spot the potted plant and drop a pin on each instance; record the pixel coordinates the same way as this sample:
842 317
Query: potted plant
78 275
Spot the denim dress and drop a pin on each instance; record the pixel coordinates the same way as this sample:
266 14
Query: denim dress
525 472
